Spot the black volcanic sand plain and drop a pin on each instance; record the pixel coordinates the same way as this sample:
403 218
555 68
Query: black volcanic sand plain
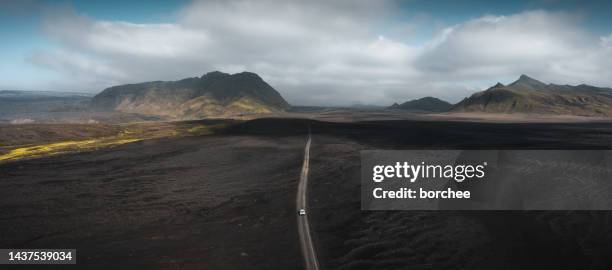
227 201
348 238
210 202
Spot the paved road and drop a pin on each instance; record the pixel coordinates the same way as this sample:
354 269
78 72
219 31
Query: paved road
308 250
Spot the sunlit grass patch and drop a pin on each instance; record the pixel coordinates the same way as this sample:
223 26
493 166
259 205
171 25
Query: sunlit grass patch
129 133
206 129
199 129
62 147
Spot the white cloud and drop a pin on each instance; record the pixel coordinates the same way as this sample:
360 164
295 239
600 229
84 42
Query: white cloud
528 42
317 52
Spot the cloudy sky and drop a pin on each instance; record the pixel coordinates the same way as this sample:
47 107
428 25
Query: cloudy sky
313 52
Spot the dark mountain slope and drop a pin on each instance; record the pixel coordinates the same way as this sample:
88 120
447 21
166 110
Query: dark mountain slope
527 95
215 94
426 104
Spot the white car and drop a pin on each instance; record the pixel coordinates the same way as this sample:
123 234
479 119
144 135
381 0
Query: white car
302 212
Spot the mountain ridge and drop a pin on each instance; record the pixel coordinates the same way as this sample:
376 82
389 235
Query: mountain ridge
528 95
424 104
214 94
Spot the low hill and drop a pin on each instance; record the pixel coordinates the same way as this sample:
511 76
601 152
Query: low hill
528 95
24 106
426 104
215 94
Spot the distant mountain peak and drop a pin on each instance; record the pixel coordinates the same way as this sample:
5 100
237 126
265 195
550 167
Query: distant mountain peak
246 74
215 73
425 104
527 83
498 85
